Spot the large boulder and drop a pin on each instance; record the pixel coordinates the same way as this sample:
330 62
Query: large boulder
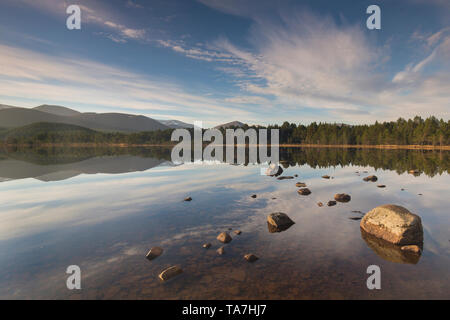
394 224
279 221
274 170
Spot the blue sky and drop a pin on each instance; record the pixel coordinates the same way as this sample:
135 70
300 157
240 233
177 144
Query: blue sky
216 61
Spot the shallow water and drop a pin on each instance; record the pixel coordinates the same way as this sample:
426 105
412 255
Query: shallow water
104 210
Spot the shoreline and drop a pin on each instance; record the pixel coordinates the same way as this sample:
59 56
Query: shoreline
288 145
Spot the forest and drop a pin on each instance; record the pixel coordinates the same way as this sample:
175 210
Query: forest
430 131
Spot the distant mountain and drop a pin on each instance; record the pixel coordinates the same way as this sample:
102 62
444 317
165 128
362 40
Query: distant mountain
230 125
57 110
18 117
176 124
4 106
45 128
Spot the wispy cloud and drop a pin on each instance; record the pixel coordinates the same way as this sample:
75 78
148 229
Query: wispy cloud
73 81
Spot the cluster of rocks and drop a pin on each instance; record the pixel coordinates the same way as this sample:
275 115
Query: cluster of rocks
390 230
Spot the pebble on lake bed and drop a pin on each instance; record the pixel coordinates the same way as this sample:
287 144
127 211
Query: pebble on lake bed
342 197
224 237
300 185
304 191
320 204
207 245
253 196
331 203
250 257
279 221
221 250
188 199
285 177
154 253
381 186
238 232
371 178
326 176
170 273
274 170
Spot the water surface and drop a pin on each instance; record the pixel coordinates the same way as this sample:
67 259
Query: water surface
103 209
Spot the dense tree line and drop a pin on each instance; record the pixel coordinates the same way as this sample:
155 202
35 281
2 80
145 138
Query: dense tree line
417 131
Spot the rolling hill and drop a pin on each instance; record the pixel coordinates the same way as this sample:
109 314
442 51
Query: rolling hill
176 124
231 124
113 122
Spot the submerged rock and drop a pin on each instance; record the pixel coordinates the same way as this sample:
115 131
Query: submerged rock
238 232
250 257
326 176
170 273
331 203
188 199
207 245
278 221
224 237
394 224
274 170
320 204
221 250
304 191
296 175
371 178
355 218
381 186
154 253
253 196
300 185
285 177
342 197
411 248
389 251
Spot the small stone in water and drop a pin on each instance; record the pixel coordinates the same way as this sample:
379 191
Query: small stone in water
207 245
250 257
331 203
221 250
224 237
170 273
188 199
238 232
154 253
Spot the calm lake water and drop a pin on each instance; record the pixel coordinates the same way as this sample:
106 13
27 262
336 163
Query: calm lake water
103 209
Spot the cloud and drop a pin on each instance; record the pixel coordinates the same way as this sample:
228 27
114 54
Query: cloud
72 81
92 13
132 4
304 61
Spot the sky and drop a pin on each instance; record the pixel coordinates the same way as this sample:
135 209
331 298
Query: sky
256 61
